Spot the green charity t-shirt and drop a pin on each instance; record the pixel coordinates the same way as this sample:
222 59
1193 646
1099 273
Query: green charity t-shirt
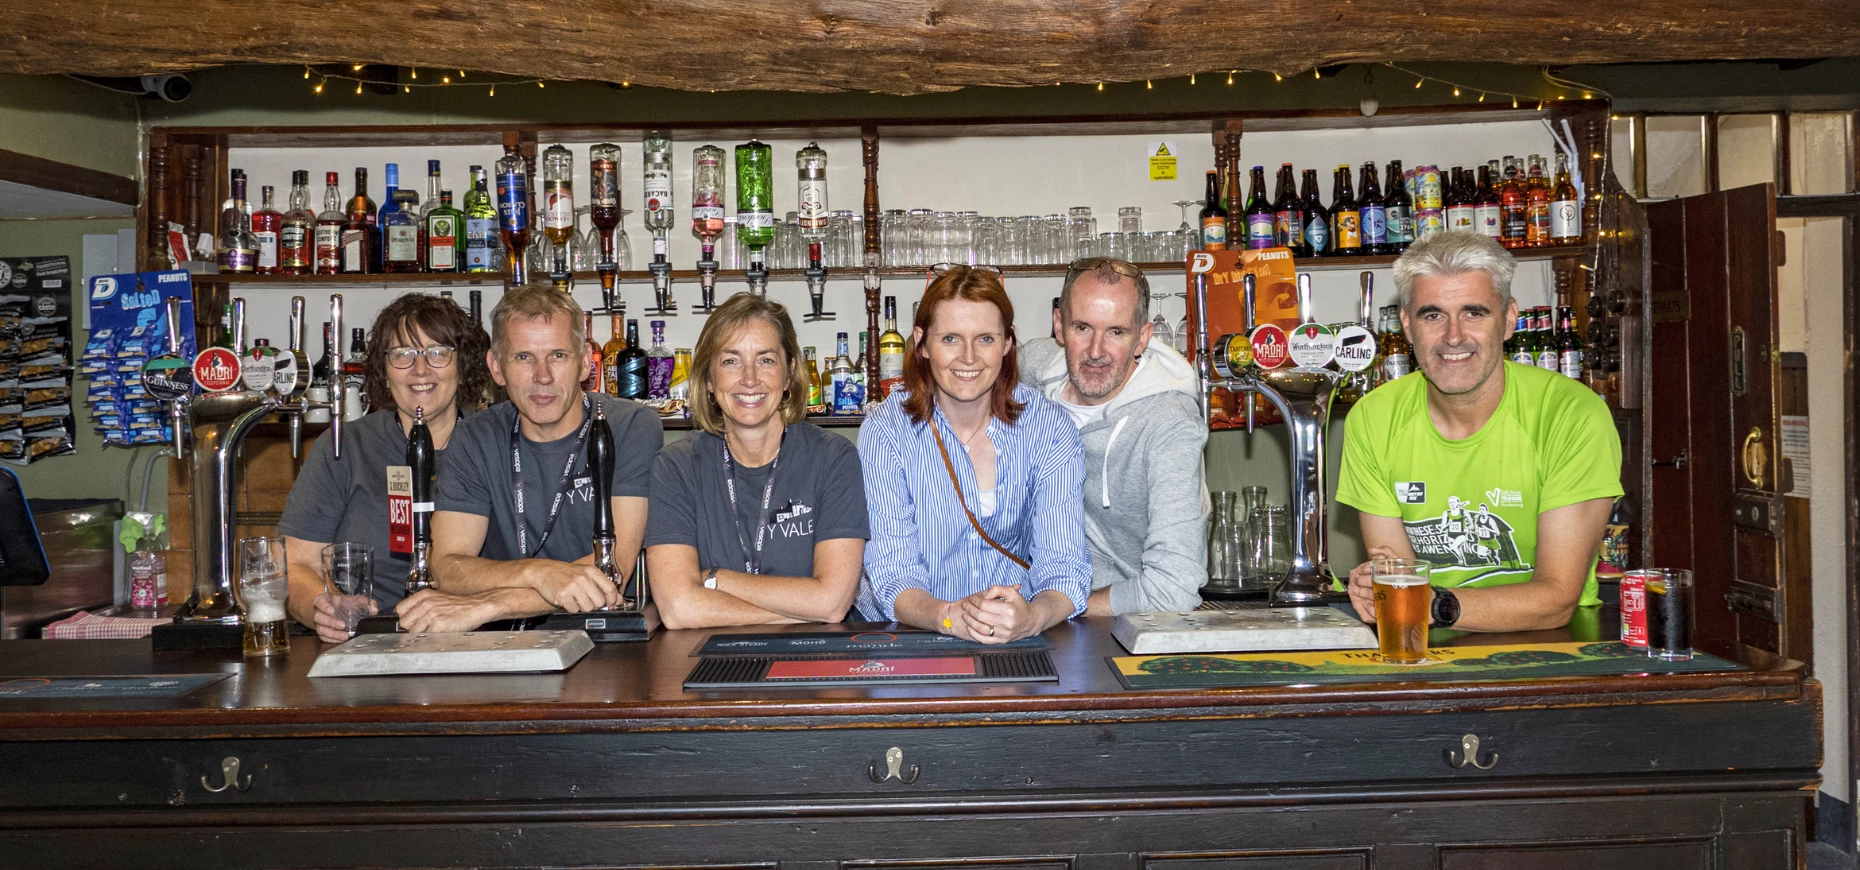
1471 506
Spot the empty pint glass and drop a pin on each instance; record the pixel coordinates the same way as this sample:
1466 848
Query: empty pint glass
263 586
1402 601
349 580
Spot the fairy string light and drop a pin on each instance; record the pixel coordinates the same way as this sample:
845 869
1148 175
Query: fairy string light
407 87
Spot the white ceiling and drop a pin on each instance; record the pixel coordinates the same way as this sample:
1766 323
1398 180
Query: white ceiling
24 202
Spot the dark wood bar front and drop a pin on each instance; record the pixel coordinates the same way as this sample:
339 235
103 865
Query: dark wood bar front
612 764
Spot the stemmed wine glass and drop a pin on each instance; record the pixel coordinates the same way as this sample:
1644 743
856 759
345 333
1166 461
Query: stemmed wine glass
1186 232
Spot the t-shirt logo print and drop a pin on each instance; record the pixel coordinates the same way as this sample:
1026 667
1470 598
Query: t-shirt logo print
1464 536
1411 492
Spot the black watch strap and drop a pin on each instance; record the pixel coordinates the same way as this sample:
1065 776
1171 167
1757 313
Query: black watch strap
1446 610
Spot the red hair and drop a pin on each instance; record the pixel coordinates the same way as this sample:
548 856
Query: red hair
969 285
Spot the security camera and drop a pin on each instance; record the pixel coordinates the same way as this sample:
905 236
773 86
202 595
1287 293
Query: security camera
172 87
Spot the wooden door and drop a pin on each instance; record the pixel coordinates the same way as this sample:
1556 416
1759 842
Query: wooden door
1713 425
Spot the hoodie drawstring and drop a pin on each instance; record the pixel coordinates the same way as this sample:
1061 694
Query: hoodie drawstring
1105 478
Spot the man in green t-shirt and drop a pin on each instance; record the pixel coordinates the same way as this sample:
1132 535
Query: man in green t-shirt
1498 474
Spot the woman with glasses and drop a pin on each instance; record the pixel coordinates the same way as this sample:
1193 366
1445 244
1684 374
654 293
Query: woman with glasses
974 482
758 516
424 354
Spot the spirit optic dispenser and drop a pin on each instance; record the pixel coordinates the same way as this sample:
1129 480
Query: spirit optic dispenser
604 210
811 218
755 209
658 216
707 217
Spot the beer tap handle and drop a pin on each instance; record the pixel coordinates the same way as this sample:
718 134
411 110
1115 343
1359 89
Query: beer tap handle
238 326
1249 297
1204 367
1366 310
336 386
297 323
177 407
1306 311
174 325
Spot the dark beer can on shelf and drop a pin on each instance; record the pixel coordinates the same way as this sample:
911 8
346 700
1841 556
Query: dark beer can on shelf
1634 608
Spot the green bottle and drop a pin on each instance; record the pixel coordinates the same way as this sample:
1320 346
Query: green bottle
755 197
445 236
481 244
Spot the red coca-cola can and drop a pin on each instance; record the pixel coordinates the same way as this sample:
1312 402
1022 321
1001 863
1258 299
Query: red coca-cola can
1634 607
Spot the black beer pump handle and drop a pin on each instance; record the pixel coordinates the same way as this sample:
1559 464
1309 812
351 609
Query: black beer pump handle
601 468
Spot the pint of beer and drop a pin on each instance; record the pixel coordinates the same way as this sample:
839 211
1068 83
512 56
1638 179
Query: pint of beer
1402 602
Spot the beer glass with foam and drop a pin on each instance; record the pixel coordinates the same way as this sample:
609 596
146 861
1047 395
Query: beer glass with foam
1402 602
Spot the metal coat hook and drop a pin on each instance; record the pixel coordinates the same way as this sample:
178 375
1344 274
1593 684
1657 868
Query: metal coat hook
229 777
894 768
1469 755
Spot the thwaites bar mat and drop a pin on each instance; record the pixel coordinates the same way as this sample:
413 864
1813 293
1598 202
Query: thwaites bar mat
911 642
761 672
68 688
1455 664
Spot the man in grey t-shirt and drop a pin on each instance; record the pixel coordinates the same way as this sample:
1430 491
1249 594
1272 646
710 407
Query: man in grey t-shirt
501 561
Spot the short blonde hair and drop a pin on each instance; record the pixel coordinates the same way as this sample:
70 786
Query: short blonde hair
733 314
535 302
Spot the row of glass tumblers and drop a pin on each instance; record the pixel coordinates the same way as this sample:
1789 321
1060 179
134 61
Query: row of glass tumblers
1249 543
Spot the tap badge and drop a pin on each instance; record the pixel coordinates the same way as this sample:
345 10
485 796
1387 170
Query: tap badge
1356 348
1270 346
1313 345
216 369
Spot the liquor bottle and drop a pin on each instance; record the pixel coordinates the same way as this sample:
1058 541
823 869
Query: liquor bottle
1548 341
1461 203
596 379
1398 208
558 203
656 189
400 234
445 241
632 368
267 223
755 205
1516 347
330 223
604 210
480 226
859 363
1569 347
611 353
1537 205
1213 217
811 215
681 374
389 205
420 464
226 338
1259 213
1514 215
1565 207
1398 354
707 214
354 376
816 400
890 352
360 237
513 214
1346 230
320 375
1317 217
1288 215
845 398
659 364
238 247
1371 216
297 232
1488 215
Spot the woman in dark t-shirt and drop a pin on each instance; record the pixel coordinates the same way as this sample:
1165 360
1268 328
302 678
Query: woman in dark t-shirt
424 353
757 516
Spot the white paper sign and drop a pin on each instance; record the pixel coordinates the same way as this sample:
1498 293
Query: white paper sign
1795 449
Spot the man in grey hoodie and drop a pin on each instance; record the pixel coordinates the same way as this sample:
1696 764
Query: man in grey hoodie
1135 403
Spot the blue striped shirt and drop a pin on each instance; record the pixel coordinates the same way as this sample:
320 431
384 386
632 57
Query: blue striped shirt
920 538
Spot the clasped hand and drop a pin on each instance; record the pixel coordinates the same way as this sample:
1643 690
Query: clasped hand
998 614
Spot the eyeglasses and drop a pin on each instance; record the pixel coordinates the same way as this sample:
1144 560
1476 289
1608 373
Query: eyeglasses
1088 264
438 356
941 269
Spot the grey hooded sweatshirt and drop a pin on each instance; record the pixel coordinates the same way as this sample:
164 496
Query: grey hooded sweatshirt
1145 496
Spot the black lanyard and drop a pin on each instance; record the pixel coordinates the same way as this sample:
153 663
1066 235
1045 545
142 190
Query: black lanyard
561 486
752 559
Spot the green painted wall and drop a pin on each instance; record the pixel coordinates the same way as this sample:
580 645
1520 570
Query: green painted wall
61 119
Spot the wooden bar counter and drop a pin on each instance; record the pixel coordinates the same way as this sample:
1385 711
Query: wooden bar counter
612 764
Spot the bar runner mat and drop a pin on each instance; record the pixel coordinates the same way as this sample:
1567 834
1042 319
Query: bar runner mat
1522 661
912 642
761 672
66 688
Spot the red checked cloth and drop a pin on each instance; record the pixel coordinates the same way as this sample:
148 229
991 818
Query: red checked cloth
89 626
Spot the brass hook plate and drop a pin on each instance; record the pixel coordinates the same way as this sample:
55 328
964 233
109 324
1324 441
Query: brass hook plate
1468 754
229 777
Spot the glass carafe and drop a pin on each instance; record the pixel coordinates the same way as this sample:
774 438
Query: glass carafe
1271 549
1225 545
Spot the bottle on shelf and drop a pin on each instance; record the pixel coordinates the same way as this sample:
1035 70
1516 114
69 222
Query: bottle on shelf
320 375
659 364
1317 217
890 352
558 204
354 377
226 336
400 234
681 374
1565 207
267 226
1488 215
596 379
1213 217
1548 340
1288 215
604 210
1346 229
389 204
1513 208
1461 203
1397 353
844 397
611 352
859 363
1398 210
330 224
656 189
707 215
1569 346
360 237
816 399
632 368
444 237
1259 212
297 229
755 209
1516 344
481 241
513 214
1372 216
1537 205
433 186
238 247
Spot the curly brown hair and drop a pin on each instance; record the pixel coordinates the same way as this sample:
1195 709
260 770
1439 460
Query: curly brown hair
443 322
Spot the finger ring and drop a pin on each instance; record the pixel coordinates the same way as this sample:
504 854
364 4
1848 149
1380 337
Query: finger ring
991 631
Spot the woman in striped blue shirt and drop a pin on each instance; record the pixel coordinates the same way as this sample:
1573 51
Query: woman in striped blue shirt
974 483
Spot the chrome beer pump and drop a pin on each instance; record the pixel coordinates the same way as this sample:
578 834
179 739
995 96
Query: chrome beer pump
635 618
217 418
1302 392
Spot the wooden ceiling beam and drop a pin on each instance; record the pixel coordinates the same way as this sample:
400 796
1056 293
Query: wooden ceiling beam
902 46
